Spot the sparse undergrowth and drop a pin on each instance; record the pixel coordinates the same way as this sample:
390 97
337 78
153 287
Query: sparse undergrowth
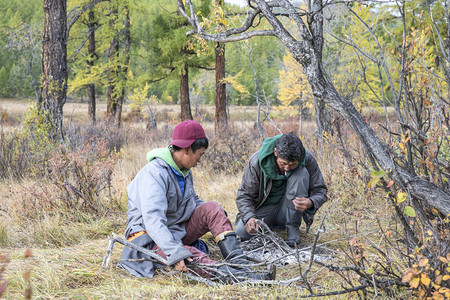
65 208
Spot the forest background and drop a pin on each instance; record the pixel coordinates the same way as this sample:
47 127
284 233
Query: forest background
65 193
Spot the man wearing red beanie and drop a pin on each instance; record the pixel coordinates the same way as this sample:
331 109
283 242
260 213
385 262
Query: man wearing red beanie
165 214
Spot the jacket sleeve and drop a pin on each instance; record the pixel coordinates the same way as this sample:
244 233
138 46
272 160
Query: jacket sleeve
150 191
317 187
248 192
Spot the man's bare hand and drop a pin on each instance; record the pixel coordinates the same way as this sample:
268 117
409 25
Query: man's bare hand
181 266
302 204
251 226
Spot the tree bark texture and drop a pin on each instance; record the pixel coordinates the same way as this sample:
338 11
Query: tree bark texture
112 93
307 50
221 118
124 72
90 63
185 103
54 63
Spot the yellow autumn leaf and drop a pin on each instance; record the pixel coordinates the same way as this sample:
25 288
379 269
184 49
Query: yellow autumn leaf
407 277
437 296
414 283
425 280
373 182
423 262
443 259
446 277
401 197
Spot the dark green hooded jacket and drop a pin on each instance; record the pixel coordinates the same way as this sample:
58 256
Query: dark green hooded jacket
256 186
267 162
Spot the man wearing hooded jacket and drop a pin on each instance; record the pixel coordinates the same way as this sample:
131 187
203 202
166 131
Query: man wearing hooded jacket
281 185
166 215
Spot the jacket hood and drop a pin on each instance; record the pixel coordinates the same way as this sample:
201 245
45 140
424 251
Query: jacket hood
164 154
267 159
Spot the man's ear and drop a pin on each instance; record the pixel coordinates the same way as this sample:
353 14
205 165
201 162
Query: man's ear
275 152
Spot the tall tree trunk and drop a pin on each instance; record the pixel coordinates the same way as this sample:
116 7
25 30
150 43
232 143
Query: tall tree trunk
308 52
184 95
54 63
221 119
323 119
124 72
112 93
90 63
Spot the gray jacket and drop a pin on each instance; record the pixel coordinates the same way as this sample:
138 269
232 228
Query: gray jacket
251 196
156 205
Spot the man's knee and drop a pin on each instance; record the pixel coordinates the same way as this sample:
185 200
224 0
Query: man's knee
241 232
212 207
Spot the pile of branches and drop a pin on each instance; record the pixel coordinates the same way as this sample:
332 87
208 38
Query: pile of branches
357 276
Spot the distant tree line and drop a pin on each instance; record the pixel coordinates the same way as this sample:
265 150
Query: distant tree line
112 47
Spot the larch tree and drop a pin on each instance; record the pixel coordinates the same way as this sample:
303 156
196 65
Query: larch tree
175 55
54 63
118 61
57 25
221 118
92 56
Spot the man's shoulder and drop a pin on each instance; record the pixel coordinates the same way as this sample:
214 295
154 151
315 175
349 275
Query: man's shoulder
254 159
156 166
310 159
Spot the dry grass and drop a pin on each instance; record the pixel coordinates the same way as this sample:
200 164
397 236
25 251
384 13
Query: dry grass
67 254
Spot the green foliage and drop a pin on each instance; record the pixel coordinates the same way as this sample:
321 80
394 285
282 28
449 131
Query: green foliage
267 57
108 25
37 130
138 98
14 15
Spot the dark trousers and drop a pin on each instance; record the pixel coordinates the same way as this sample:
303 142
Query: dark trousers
283 213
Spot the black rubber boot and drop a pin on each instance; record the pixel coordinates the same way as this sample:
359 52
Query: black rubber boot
231 251
229 247
293 221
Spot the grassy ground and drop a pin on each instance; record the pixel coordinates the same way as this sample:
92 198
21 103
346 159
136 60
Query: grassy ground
67 253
